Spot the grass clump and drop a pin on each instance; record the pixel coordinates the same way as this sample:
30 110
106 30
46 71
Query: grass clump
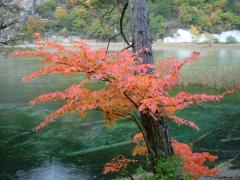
167 169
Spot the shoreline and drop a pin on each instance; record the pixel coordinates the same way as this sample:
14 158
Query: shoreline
225 173
156 46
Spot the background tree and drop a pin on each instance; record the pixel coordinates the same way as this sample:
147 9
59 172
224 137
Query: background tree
154 128
34 24
46 9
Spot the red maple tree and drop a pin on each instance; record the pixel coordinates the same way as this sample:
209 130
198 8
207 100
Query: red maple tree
128 87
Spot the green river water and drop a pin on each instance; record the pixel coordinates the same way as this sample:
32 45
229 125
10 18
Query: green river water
74 148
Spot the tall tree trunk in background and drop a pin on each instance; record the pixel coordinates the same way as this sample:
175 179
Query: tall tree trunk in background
155 131
140 30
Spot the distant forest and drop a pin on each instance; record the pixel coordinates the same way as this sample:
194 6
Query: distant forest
100 18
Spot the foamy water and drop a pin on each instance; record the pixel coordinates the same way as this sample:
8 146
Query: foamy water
185 36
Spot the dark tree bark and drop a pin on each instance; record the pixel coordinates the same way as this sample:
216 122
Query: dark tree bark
141 31
155 129
156 136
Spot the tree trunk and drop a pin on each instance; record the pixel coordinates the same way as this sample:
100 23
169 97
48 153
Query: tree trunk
157 138
155 131
141 31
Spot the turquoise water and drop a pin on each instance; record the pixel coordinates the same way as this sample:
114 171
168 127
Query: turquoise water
75 148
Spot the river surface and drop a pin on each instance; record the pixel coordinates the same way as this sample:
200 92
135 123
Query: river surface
74 148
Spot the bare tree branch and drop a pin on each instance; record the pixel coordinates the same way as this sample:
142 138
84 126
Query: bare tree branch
121 23
130 46
121 29
108 12
109 40
128 97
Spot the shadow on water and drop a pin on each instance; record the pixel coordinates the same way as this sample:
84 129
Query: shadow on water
75 148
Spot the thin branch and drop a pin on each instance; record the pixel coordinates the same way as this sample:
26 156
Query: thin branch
109 40
121 23
108 12
119 114
125 48
128 116
144 133
125 93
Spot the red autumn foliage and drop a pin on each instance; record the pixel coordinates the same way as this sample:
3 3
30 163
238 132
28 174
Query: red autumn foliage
117 164
140 149
128 85
137 136
193 163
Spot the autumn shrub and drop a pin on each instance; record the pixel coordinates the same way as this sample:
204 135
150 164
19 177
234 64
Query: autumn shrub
128 88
